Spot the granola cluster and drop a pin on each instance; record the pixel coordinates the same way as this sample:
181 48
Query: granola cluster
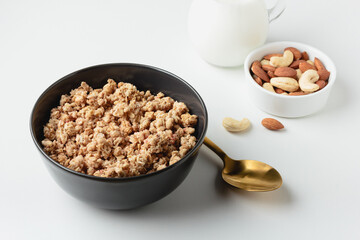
118 131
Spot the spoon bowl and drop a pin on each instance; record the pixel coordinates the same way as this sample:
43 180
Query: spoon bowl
249 175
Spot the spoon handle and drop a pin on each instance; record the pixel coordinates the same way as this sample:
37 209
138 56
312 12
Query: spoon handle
214 148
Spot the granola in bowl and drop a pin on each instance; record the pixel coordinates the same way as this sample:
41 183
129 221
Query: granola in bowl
118 131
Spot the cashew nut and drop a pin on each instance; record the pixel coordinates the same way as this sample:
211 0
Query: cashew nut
285 83
307 81
298 73
283 61
233 125
268 87
310 62
265 62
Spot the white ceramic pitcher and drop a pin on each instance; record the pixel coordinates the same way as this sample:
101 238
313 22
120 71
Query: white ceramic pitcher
224 32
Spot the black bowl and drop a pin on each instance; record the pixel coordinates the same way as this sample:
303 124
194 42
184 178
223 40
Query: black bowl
130 192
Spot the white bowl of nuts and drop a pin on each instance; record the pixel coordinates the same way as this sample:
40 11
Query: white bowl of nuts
289 79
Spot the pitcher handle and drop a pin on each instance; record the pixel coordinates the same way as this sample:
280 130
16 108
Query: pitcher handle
276 10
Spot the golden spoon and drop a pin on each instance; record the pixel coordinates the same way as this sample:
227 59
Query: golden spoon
249 175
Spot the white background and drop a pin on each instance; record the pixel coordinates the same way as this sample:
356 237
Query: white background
318 156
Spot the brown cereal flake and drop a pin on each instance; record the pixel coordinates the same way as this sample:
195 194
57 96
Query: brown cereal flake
118 131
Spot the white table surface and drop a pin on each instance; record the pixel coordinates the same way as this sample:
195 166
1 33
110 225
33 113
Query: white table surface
318 156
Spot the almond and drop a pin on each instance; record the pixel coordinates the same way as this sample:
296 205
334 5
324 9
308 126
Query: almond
295 51
305 56
279 91
321 84
258 71
299 93
326 83
268 68
295 64
272 124
318 64
258 81
257 63
323 74
285 72
271 74
267 57
304 66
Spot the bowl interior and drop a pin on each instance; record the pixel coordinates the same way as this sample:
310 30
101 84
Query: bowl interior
142 76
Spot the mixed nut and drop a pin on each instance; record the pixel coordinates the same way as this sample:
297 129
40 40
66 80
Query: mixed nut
233 125
290 73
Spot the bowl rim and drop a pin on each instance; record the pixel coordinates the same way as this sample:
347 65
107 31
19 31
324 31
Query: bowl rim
305 47
123 179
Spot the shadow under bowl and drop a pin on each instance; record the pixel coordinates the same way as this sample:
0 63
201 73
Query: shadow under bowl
129 192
